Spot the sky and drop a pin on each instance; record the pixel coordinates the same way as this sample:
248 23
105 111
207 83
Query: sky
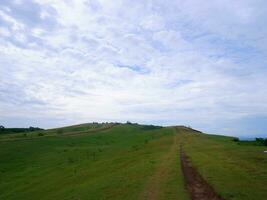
167 62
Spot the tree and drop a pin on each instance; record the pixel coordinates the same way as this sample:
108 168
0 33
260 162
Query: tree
236 139
2 128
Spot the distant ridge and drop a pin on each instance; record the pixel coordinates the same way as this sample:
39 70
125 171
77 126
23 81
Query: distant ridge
182 127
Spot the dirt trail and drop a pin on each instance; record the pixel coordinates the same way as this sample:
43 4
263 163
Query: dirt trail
152 191
198 188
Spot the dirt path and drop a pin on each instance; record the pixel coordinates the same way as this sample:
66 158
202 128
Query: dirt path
198 188
152 191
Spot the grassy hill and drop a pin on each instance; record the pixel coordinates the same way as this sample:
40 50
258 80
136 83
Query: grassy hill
126 161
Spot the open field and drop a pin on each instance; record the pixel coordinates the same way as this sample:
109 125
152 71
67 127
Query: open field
126 161
119 163
235 171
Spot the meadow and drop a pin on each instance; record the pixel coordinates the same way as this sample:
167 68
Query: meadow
236 171
126 161
118 163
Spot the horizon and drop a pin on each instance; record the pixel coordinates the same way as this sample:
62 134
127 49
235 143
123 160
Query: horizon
193 63
242 137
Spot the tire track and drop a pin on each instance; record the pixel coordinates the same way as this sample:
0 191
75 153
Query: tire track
197 187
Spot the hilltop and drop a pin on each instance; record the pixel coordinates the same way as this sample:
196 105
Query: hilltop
129 161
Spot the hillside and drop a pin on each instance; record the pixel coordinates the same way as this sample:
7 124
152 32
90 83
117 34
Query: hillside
128 161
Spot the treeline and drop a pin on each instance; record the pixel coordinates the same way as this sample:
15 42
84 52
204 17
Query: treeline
18 130
257 141
150 127
261 141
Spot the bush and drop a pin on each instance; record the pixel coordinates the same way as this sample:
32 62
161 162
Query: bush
236 139
40 134
261 141
2 128
150 127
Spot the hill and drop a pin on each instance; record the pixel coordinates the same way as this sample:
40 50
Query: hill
128 161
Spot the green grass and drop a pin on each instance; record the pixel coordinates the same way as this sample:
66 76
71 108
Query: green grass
113 164
75 129
237 172
127 161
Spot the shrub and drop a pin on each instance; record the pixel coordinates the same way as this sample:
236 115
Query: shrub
261 141
150 127
236 139
40 134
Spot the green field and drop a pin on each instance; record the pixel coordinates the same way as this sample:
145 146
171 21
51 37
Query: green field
125 161
235 171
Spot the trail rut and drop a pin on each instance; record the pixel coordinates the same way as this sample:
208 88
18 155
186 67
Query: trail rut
198 188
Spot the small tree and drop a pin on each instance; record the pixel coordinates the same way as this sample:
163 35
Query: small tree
40 134
2 128
236 139
259 139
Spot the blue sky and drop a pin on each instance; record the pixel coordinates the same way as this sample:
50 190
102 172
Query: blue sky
198 63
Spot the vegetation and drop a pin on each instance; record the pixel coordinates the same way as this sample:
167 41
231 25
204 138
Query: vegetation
237 172
256 142
126 161
122 162
4 130
69 130
236 139
261 141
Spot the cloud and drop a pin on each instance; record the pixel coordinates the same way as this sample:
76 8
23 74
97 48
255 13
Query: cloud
173 62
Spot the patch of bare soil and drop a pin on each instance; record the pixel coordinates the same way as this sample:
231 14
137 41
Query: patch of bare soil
198 188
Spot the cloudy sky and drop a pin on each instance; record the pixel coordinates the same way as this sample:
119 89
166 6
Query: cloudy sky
199 63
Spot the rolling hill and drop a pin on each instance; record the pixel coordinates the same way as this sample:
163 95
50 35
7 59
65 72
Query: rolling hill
129 161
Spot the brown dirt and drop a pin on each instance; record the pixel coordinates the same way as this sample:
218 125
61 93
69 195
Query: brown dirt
198 188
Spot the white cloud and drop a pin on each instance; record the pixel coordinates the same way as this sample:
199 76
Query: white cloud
153 23
143 61
4 32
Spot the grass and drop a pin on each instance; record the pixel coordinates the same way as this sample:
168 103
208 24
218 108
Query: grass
237 172
75 129
117 163
126 161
